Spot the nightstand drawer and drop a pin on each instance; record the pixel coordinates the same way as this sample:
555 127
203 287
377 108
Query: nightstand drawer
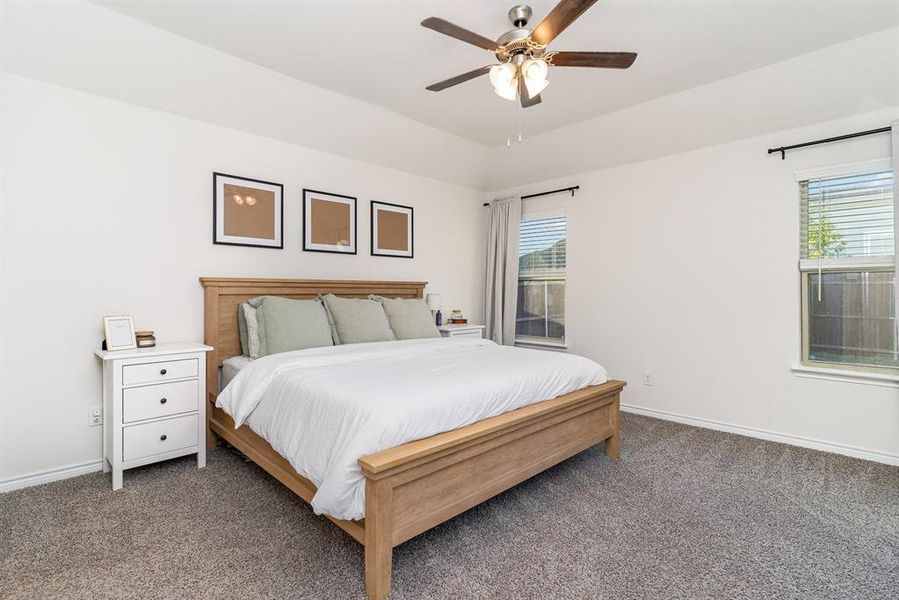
475 333
159 371
451 331
139 441
161 400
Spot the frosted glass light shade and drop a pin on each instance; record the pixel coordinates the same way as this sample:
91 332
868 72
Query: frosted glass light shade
535 68
433 301
535 87
509 92
503 78
534 72
502 75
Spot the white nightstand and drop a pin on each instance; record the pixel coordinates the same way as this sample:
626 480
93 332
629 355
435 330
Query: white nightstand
462 330
153 406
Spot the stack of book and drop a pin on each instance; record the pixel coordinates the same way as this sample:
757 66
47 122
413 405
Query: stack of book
456 318
145 339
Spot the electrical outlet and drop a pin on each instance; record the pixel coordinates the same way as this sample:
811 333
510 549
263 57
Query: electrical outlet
647 378
95 416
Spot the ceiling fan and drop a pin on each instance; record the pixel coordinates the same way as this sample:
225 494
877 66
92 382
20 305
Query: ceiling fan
523 59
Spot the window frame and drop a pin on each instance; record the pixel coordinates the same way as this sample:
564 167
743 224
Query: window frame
540 342
807 266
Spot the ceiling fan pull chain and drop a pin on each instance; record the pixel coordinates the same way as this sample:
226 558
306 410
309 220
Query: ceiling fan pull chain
519 122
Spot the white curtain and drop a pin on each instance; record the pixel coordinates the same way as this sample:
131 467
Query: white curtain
895 134
502 269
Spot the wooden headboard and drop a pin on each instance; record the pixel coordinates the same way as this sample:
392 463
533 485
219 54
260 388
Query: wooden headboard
224 294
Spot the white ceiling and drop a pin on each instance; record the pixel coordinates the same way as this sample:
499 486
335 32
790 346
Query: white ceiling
376 51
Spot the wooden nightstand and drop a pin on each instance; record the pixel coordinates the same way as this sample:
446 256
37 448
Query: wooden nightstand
462 330
153 406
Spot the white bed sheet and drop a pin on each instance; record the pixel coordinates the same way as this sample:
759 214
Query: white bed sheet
324 408
230 367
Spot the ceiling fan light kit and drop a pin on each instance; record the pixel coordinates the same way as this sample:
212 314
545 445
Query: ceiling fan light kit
523 60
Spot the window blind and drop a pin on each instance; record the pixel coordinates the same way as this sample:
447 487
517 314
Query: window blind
541 246
849 216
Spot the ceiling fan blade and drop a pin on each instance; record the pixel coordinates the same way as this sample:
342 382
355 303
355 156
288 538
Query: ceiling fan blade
526 100
560 17
442 85
601 60
460 33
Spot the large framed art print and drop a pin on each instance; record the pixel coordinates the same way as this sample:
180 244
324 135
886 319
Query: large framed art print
247 212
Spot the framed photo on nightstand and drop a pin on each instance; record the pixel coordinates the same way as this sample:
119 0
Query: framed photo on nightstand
119 332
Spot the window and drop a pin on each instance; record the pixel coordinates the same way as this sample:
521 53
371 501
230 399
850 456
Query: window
541 281
848 271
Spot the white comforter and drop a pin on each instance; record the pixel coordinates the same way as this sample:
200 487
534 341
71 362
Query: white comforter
324 408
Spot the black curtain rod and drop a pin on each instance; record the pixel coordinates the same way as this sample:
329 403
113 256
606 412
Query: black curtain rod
783 149
571 189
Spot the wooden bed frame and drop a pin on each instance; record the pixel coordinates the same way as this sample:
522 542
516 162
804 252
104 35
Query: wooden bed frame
414 487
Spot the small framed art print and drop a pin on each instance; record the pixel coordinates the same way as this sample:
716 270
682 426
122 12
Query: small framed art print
119 332
391 230
247 212
329 222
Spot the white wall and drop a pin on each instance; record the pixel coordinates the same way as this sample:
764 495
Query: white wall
791 93
83 46
107 209
686 266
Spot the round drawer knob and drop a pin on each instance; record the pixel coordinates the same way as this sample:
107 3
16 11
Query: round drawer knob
162 437
162 372
163 400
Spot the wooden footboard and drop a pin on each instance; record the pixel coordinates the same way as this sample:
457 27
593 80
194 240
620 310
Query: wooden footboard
414 487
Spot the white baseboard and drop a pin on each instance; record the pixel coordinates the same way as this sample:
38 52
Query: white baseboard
764 434
23 481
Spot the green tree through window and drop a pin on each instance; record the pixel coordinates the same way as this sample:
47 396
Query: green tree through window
832 243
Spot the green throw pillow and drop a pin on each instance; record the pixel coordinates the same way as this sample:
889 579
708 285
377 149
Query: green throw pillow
355 320
409 318
286 324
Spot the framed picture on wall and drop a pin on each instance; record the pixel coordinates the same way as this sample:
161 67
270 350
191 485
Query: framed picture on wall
247 212
391 230
329 222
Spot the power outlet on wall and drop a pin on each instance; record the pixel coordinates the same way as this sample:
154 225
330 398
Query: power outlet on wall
647 378
95 416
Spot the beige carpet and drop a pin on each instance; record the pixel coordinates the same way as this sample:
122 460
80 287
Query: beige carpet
685 513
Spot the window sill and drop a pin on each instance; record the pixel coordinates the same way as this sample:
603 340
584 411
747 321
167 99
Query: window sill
878 379
538 345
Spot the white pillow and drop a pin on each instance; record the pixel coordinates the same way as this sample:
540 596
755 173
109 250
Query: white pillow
249 314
